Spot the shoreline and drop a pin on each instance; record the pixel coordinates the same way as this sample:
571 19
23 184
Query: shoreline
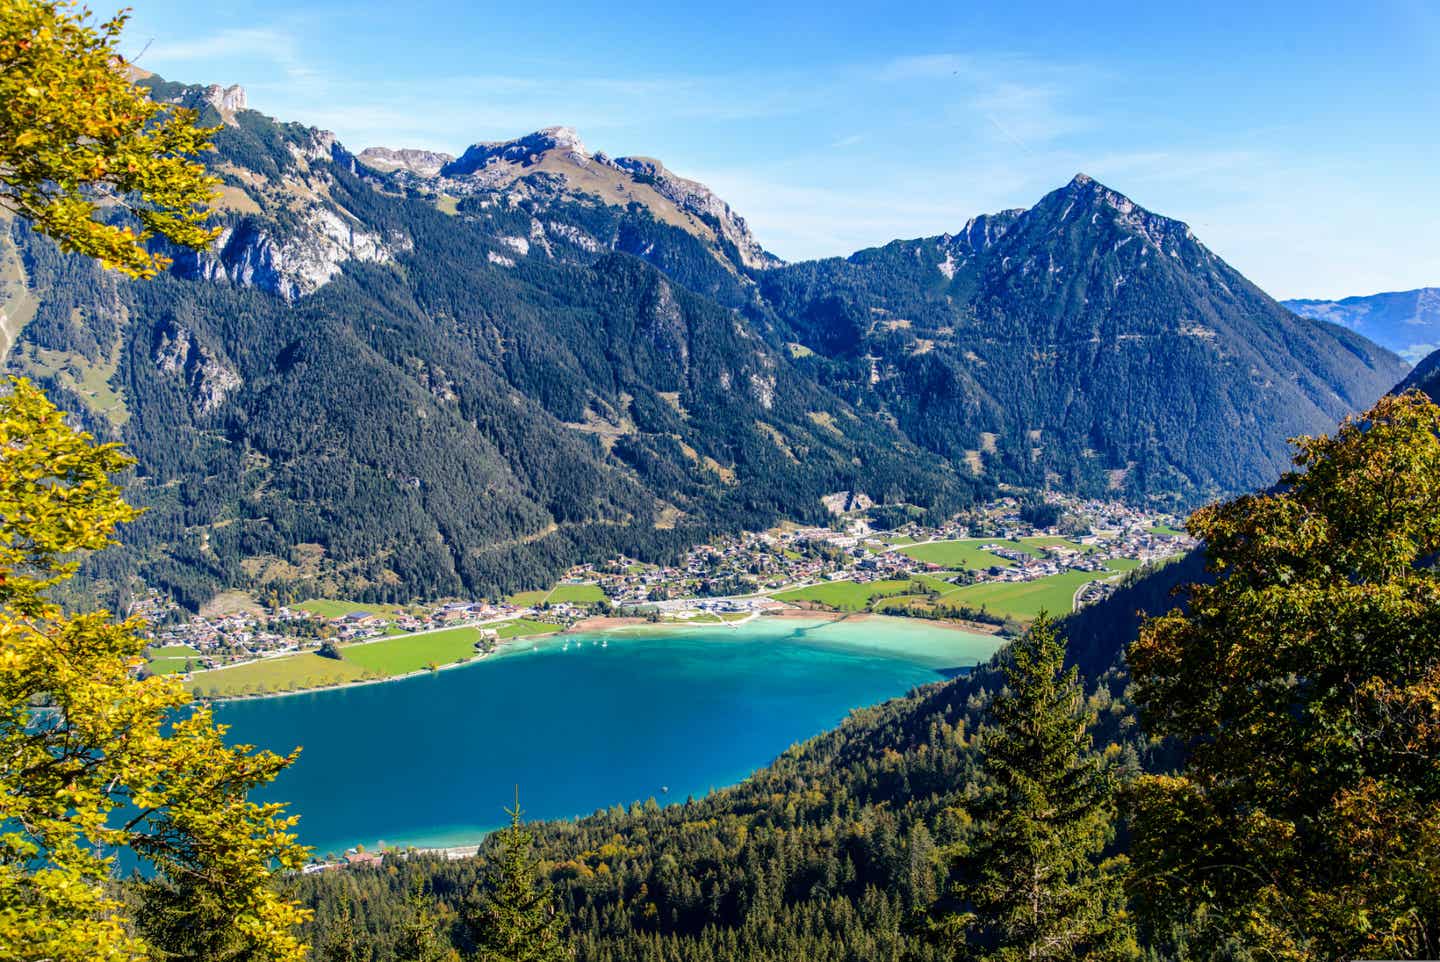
602 624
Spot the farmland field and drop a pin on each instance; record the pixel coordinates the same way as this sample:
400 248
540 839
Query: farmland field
398 655
525 626
171 651
964 554
573 594
576 594
407 653
1024 600
844 595
306 670
330 608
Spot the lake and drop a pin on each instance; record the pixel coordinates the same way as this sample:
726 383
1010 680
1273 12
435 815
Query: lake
580 722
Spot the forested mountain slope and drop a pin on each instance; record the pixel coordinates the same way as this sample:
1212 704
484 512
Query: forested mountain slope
1426 377
405 374
360 393
1085 342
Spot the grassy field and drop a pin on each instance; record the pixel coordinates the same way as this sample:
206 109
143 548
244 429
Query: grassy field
576 594
399 655
407 653
1034 546
1025 600
1166 529
967 553
168 666
170 651
524 626
276 674
169 659
844 595
964 554
896 602
330 608
708 618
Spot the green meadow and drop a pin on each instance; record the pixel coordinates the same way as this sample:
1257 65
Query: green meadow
967 553
1025 600
406 653
576 594
844 595
289 673
398 655
573 594
331 608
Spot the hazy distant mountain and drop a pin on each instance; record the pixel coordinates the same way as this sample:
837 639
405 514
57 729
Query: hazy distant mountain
1407 322
400 374
1425 376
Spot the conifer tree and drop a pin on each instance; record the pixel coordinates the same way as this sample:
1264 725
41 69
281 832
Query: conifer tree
515 918
418 939
341 942
1030 884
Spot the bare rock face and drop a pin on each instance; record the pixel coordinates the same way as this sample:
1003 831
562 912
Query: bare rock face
208 379
422 163
300 263
700 200
524 151
227 101
560 151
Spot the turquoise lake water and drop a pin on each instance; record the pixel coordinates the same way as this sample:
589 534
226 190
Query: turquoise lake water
579 723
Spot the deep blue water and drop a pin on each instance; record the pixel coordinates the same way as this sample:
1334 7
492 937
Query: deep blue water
579 724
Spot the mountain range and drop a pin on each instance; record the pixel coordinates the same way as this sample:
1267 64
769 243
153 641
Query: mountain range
401 373
1406 322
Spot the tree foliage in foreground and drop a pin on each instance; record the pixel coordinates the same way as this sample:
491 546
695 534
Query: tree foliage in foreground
1305 684
85 155
1031 883
97 760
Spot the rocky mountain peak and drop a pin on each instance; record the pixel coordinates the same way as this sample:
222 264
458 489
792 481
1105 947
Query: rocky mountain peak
424 163
227 101
525 151
1086 194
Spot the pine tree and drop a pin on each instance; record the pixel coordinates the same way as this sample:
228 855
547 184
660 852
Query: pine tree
417 938
1030 884
515 917
342 940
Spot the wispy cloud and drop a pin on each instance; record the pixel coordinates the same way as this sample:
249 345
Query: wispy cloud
272 45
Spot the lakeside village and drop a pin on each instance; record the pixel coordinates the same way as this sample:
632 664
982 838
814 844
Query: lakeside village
985 567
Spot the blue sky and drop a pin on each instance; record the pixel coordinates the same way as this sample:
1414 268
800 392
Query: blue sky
1299 140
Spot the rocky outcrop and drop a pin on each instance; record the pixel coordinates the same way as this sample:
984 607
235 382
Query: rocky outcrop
525 151
701 201
226 101
422 163
300 263
552 150
208 379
